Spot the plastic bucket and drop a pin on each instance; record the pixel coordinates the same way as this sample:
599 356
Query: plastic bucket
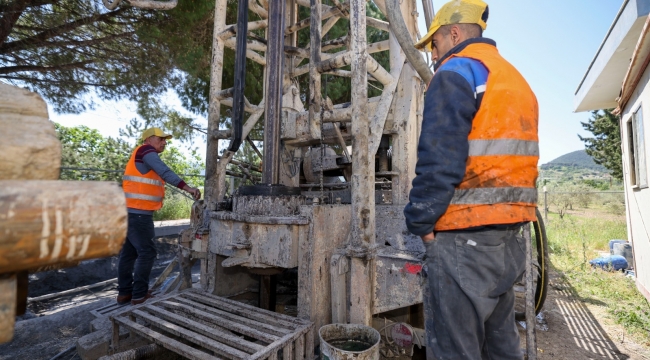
625 250
349 341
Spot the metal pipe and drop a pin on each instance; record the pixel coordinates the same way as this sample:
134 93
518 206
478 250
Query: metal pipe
398 27
214 179
240 77
273 98
71 291
427 6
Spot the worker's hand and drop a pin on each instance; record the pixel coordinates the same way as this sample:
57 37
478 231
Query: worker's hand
427 238
196 193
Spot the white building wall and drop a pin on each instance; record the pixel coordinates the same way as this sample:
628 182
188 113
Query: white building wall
638 199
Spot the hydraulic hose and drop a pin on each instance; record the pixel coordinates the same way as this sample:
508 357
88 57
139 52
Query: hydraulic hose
398 27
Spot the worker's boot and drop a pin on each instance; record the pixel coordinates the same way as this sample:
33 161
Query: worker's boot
123 299
140 301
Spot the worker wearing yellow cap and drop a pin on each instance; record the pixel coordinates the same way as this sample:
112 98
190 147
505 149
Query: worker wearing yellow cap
144 188
474 187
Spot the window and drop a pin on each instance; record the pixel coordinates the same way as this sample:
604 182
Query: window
636 144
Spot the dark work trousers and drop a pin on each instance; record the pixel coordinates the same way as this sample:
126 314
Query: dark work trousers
137 257
470 302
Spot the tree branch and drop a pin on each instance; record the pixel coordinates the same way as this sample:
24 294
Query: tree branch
86 42
9 18
42 69
41 37
27 79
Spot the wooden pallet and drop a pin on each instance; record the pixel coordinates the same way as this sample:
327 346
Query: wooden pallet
198 325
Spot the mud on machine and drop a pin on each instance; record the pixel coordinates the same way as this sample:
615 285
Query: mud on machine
338 222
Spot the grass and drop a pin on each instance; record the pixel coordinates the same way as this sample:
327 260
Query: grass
576 239
174 207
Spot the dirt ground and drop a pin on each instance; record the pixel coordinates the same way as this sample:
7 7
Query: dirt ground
576 330
570 329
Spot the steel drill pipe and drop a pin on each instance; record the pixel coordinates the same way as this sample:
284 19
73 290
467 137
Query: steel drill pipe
240 76
273 96
398 28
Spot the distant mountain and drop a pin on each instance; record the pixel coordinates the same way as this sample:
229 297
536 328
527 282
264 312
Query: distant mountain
577 159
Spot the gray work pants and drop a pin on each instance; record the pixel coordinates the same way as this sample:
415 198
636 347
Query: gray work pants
470 301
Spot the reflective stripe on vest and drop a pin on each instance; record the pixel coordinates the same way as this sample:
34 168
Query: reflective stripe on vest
142 180
487 196
503 147
142 191
143 197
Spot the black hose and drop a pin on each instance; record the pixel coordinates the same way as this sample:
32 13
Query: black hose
398 27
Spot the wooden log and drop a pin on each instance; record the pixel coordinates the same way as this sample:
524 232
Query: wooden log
48 222
7 307
29 149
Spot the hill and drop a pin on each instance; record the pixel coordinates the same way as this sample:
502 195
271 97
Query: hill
576 165
578 159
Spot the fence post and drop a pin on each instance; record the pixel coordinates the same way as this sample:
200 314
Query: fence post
545 205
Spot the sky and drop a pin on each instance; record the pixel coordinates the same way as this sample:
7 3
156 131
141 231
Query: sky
550 42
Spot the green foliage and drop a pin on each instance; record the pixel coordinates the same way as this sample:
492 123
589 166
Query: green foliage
605 145
63 48
83 147
175 206
597 184
154 114
575 240
186 34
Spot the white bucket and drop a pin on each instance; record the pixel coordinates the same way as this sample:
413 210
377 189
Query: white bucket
349 341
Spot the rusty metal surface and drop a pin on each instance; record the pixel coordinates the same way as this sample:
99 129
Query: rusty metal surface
198 325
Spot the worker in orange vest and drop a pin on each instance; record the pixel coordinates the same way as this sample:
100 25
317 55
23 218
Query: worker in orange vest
474 187
144 188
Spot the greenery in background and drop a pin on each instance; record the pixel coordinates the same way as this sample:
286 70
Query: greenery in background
83 147
62 49
573 241
605 145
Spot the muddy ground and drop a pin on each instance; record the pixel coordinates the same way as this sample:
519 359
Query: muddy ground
53 325
570 329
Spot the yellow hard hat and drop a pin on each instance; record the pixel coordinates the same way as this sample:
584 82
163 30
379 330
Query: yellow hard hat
154 132
455 12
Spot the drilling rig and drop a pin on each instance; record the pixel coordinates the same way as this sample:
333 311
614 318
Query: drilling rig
335 176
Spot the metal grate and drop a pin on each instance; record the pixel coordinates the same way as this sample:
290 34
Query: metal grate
198 325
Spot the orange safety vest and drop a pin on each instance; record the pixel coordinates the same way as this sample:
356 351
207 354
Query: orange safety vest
142 192
501 169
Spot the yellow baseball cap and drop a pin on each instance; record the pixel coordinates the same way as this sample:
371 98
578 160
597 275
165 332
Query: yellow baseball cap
154 132
455 12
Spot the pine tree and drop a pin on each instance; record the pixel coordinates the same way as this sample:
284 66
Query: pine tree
605 146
